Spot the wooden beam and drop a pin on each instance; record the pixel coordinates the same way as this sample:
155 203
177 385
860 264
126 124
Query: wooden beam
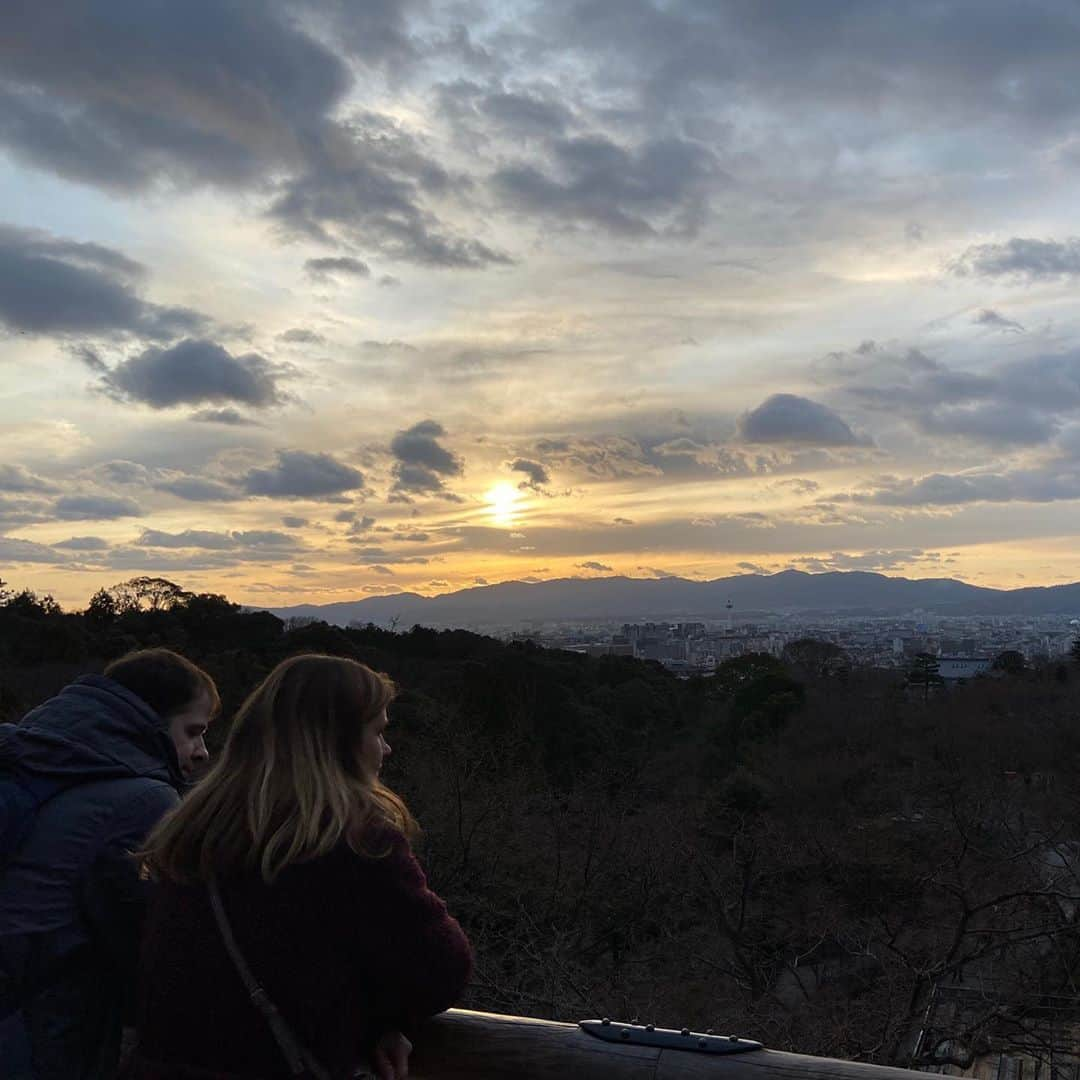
461 1044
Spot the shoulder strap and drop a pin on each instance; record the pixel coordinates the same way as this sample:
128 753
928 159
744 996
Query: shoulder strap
299 1058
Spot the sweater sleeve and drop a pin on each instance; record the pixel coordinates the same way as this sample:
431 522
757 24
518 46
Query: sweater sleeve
417 954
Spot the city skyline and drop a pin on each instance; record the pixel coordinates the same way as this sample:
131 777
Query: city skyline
301 303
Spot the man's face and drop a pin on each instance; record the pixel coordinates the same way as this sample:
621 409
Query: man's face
188 732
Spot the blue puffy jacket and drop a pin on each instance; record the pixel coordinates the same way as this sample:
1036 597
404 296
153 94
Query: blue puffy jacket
71 902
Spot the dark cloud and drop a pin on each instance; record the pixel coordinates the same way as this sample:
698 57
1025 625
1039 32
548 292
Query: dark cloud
300 335
19 479
599 567
198 489
788 418
525 114
662 184
369 188
303 475
422 462
195 371
14 550
55 286
1025 259
189 538
996 423
203 92
95 507
123 472
607 457
146 96
291 521
536 473
988 317
228 417
83 543
336 266
1055 480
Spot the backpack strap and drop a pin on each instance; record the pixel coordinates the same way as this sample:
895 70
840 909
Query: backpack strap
300 1060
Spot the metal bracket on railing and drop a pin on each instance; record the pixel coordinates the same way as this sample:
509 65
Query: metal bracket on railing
701 1042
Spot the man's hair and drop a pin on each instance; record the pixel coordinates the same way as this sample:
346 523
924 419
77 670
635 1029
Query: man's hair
166 681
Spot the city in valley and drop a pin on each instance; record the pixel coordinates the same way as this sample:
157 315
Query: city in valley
964 646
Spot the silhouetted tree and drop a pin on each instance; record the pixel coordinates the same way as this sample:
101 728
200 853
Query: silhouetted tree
1011 661
925 673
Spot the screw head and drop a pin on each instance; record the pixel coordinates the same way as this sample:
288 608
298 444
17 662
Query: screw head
733 1038
685 1031
606 1021
650 1027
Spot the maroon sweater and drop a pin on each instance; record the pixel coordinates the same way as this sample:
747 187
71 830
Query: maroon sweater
347 946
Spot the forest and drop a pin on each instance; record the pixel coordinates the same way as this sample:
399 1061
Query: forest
823 857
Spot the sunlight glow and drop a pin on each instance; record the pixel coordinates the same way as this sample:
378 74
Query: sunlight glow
502 502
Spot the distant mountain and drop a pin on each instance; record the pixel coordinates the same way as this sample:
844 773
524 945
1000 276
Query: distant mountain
637 599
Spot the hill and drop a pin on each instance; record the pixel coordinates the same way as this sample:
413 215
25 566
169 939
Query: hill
632 599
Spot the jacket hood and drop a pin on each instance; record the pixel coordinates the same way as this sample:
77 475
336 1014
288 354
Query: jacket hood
94 729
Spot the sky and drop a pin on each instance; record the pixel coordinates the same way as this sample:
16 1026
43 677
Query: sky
307 301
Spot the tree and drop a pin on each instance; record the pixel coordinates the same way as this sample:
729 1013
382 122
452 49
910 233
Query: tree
1011 661
817 659
102 608
148 594
1074 651
925 672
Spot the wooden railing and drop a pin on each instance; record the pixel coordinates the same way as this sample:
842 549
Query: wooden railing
488 1046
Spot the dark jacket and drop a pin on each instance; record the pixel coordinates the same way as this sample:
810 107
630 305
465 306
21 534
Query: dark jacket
347 946
70 900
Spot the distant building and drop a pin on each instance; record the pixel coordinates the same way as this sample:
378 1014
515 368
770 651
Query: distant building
951 668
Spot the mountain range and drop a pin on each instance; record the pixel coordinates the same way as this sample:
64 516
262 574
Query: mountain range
639 599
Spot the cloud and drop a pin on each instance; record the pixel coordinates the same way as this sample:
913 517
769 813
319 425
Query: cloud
189 538
369 186
192 372
1020 259
54 286
788 418
197 489
83 543
661 185
209 93
17 478
867 560
123 472
95 507
606 457
422 462
988 317
300 335
326 269
304 475
536 473
520 114
228 417
291 521
13 550
599 567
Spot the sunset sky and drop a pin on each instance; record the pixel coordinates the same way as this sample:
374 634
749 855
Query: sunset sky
306 301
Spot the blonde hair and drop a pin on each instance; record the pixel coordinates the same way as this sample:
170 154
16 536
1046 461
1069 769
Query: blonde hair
289 784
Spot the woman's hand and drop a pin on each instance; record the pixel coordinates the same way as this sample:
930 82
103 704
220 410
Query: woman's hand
391 1057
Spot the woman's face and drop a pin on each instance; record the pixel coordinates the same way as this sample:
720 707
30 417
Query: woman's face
373 746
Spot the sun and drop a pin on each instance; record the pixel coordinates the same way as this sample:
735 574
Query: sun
502 502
